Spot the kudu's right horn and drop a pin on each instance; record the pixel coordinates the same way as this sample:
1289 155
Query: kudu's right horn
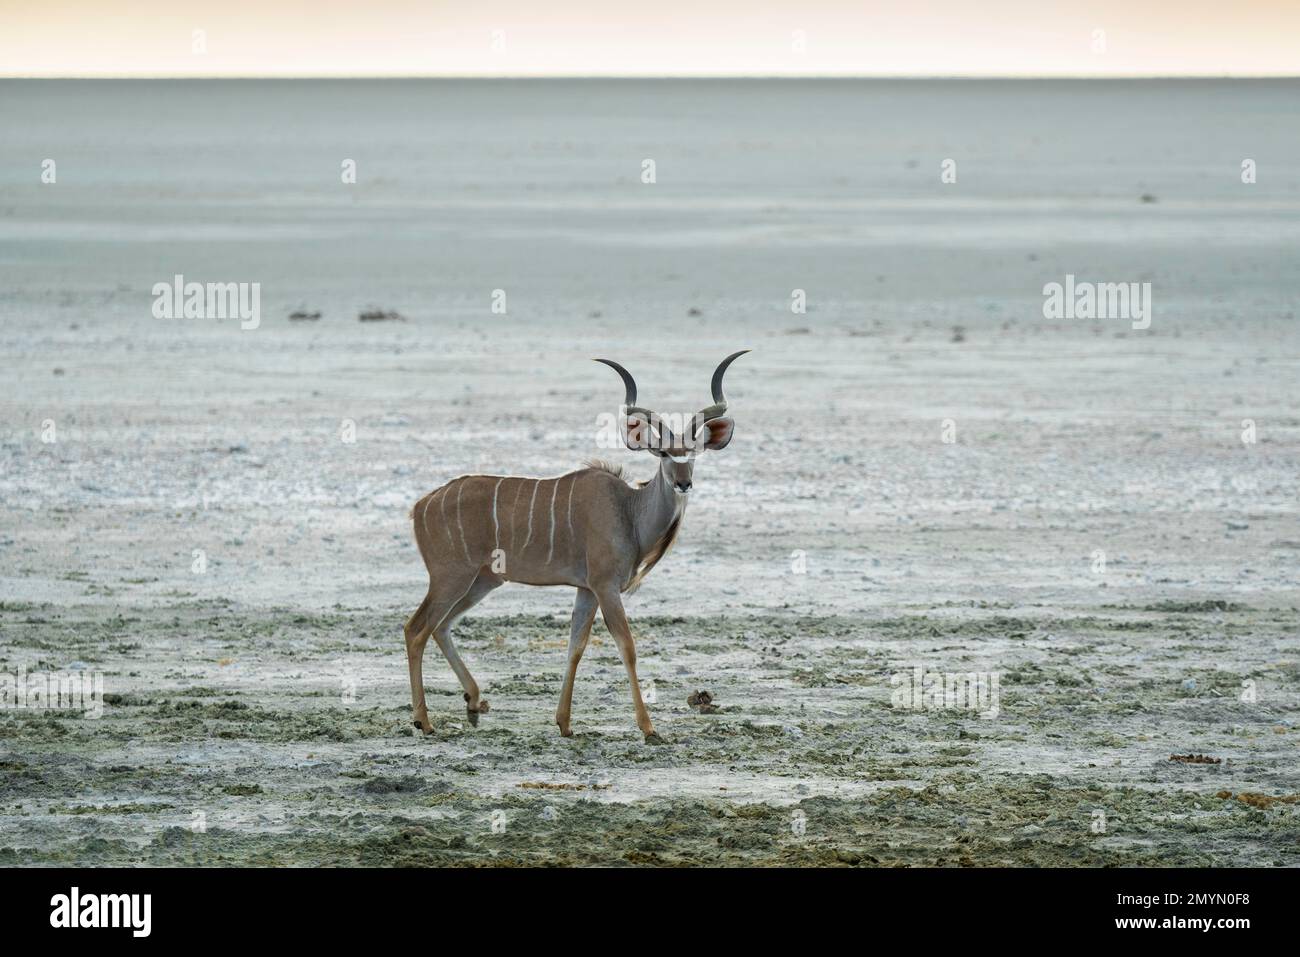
629 386
635 437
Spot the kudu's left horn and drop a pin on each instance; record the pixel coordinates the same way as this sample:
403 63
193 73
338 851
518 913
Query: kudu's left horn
719 397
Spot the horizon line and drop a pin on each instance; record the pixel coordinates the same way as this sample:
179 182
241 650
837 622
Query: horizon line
649 76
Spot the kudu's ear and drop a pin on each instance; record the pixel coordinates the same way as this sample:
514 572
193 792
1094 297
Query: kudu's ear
639 434
715 434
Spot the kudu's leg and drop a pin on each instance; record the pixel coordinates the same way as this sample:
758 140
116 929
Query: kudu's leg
611 607
443 595
417 636
484 583
584 613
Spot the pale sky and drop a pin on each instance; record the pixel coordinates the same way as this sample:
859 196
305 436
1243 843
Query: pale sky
652 37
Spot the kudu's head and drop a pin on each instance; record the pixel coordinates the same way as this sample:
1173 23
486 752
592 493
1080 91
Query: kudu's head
676 439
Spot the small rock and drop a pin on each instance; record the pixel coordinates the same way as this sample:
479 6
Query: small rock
380 315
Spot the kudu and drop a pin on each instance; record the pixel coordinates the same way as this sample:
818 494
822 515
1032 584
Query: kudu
588 529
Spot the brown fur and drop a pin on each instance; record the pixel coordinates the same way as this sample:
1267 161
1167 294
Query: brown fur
458 528
596 543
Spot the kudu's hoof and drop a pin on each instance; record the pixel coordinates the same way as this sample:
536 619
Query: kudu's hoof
424 730
655 738
473 713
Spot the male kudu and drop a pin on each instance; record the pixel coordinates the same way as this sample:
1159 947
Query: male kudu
589 529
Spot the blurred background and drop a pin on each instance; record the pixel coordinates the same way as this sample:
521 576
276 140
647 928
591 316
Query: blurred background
669 38
924 306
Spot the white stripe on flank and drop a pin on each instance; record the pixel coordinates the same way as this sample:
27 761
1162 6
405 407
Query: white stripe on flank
536 484
572 482
463 546
496 528
551 551
442 508
424 516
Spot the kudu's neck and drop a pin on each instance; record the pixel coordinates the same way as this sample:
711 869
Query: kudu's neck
657 505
